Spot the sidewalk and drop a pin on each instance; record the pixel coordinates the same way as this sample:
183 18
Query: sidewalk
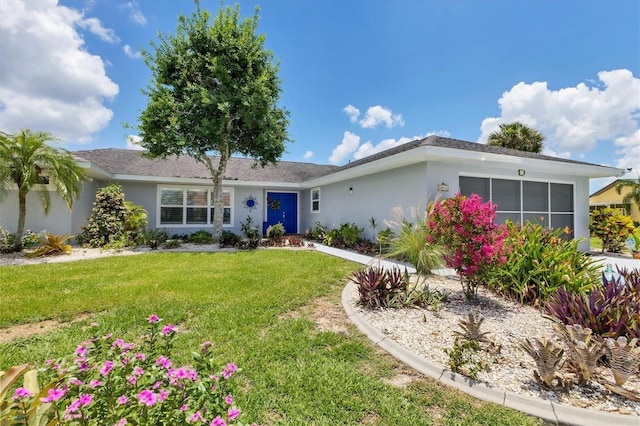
544 409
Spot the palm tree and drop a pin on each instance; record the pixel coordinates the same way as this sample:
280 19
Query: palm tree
24 157
633 194
517 136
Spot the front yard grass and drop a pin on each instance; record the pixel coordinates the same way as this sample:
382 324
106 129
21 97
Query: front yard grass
258 308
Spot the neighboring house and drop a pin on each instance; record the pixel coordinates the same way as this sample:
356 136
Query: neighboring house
609 197
177 192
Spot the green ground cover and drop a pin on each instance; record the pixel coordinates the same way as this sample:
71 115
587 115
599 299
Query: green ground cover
259 310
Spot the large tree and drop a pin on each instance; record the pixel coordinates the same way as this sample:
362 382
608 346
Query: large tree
214 89
517 136
634 190
27 163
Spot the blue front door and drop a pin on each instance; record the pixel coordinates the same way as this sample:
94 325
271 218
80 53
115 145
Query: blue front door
283 207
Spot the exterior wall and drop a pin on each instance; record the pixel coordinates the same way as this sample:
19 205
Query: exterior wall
357 200
610 196
57 221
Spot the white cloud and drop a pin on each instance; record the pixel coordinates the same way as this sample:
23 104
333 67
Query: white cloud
131 53
367 148
133 142
379 115
575 119
65 93
628 148
135 14
95 26
308 155
350 143
352 112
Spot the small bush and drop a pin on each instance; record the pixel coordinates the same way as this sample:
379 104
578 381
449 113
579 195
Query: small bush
51 245
157 236
229 239
108 216
201 237
276 232
610 310
539 262
612 227
346 236
29 240
172 243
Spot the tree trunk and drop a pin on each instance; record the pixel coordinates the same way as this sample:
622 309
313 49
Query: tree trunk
22 213
218 197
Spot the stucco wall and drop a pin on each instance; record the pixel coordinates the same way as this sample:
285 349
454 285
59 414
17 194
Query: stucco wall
58 221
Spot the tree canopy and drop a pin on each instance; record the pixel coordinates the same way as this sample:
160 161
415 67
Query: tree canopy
214 90
634 190
28 163
517 136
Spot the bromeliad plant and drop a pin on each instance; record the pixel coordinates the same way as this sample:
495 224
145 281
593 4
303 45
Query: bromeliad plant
465 227
539 261
112 382
51 245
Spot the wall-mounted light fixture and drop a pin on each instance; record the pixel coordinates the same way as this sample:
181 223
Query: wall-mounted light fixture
521 172
351 190
443 187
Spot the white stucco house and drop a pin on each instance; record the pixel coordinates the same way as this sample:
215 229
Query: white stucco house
177 192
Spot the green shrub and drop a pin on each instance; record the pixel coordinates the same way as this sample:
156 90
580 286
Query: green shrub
157 236
29 239
318 231
539 262
229 239
201 237
106 224
346 236
609 310
172 243
136 220
276 232
251 232
612 227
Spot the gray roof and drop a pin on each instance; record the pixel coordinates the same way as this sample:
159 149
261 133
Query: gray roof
133 163
442 142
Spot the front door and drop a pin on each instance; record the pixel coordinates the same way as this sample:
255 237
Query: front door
282 207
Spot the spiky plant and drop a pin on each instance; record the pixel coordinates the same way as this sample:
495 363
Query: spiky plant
584 348
624 358
52 244
547 355
471 328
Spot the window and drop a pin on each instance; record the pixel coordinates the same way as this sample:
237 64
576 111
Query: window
315 200
550 204
191 206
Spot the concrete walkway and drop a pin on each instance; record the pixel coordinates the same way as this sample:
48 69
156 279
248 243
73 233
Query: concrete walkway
544 409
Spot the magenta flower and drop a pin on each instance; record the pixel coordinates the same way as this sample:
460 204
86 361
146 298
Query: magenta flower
147 397
22 393
140 356
53 395
163 394
228 399
154 319
75 382
81 351
122 400
168 329
218 422
233 414
184 408
108 366
205 346
229 370
164 362
95 383
195 417
122 422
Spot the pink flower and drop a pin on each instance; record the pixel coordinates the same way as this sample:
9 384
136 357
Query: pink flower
138 371
84 399
132 379
22 393
147 397
53 394
218 422
75 382
108 366
184 408
228 399
81 351
234 413
154 319
122 400
205 346
163 394
140 356
195 417
164 362
95 383
122 422
168 329
228 372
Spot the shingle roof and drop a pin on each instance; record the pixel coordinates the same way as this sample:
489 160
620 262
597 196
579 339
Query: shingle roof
442 142
133 163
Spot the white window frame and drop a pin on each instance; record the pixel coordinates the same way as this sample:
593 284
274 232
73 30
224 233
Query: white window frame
317 200
184 206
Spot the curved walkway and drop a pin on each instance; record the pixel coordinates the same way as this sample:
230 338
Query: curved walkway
544 409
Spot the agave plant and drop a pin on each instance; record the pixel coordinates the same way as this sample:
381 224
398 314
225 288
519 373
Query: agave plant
624 358
471 328
584 348
52 244
547 355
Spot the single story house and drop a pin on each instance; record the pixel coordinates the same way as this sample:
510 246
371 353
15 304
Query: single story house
609 197
177 192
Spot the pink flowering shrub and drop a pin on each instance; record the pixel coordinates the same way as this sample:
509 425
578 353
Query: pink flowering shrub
465 227
108 381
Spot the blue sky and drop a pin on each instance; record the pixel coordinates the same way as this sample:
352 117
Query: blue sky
358 76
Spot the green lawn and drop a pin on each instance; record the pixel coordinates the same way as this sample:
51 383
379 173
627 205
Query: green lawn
258 307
